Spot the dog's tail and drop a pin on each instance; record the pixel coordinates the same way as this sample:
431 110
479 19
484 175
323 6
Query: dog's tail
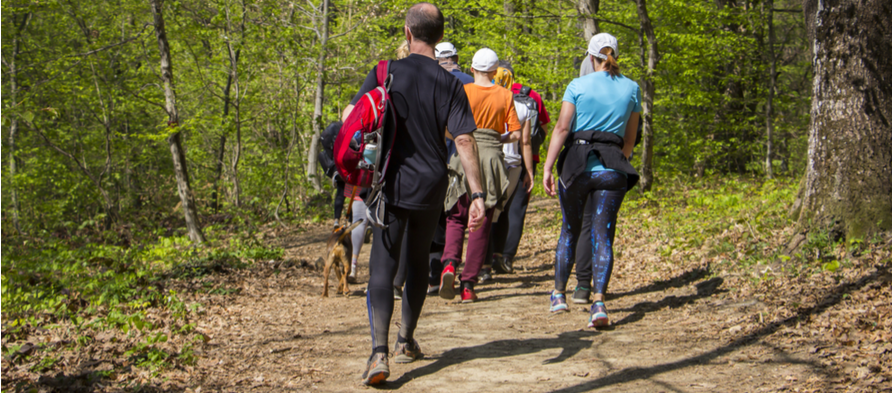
349 229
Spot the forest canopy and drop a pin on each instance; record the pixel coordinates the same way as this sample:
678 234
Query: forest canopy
85 126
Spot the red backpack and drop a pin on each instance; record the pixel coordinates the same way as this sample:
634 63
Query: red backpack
362 147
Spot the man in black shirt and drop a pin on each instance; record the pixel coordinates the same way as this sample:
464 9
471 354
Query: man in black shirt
428 101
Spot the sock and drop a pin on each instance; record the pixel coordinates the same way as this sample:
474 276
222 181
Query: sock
380 349
400 339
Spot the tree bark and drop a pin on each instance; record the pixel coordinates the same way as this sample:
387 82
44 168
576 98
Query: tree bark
848 186
319 101
234 79
772 82
649 91
587 10
193 226
14 120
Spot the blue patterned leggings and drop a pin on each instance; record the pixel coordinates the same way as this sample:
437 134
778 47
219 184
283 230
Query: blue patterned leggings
606 189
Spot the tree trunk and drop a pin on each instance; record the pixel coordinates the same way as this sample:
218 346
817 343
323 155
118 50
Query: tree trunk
237 152
587 10
649 91
772 82
14 120
848 187
176 147
320 96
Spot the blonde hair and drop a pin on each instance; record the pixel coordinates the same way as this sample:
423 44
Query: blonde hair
504 78
612 65
402 51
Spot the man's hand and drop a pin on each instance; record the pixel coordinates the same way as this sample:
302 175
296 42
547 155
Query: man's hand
528 182
548 182
476 214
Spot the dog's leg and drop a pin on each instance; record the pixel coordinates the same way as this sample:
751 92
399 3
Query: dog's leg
325 273
347 267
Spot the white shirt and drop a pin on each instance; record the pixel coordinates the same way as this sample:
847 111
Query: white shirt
513 156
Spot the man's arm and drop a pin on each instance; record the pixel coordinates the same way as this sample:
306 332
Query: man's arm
526 151
466 145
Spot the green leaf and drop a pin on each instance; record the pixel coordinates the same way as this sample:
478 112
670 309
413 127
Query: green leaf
28 116
830 266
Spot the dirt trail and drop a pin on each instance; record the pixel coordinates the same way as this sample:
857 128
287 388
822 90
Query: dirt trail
277 334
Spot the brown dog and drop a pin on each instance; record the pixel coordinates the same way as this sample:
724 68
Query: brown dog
340 250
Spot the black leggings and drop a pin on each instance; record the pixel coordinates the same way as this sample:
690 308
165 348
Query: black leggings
339 200
604 191
504 237
409 232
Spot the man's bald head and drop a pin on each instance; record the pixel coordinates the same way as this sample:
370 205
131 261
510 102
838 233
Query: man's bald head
425 22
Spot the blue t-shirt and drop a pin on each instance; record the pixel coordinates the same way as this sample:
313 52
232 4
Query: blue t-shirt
603 103
464 78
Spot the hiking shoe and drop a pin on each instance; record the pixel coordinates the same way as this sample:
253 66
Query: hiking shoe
485 275
351 278
499 265
433 290
397 293
558 302
599 316
407 352
376 370
581 295
447 282
467 292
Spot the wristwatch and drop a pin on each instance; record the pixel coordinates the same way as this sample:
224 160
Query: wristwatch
478 195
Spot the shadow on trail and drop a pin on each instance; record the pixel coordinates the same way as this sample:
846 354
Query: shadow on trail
570 343
639 373
658 286
638 311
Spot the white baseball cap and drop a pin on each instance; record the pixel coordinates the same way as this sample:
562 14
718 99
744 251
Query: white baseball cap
485 60
445 49
601 41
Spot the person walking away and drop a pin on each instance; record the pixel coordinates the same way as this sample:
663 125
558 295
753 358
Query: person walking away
501 255
447 55
605 106
496 120
428 101
326 160
516 155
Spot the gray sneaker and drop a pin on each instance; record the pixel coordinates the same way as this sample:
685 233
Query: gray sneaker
376 370
407 352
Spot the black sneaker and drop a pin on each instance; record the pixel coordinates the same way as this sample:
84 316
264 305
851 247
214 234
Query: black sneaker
485 274
581 295
407 352
376 370
500 265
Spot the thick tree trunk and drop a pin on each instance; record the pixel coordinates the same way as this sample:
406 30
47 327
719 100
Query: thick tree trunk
649 91
772 82
587 10
176 146
319 101
848 187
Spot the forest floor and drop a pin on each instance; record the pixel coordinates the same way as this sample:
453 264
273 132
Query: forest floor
681 322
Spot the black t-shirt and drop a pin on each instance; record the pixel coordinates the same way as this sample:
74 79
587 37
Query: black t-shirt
427 100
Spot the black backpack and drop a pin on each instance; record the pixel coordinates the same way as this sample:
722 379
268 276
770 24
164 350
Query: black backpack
326 156
537 134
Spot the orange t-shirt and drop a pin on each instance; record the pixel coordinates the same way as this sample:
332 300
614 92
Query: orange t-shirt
493 107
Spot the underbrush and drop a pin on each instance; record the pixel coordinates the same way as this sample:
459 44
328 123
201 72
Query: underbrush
63 294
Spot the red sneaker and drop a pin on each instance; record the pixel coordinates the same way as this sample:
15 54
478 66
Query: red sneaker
467 294
447 282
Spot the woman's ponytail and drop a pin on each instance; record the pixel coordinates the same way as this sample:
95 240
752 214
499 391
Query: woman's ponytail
612 65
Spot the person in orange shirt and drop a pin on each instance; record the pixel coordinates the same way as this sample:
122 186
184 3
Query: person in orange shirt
497 123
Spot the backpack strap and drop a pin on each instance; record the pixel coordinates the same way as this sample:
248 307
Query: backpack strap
383 72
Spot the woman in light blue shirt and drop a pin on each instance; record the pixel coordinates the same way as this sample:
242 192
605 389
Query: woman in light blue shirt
601 111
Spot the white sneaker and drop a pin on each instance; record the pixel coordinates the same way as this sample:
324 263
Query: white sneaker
351 278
